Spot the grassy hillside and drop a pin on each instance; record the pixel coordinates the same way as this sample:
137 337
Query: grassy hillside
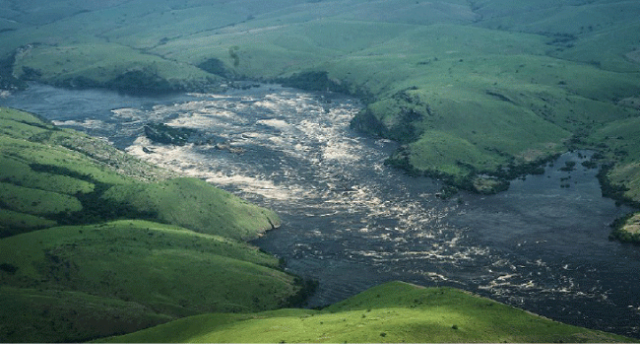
391 313
67 279
57 176
107 271
202 207
477 91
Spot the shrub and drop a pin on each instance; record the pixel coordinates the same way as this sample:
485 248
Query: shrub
11 269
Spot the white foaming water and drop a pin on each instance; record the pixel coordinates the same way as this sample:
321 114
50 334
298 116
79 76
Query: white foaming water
86 124
298 155
298 152
352 222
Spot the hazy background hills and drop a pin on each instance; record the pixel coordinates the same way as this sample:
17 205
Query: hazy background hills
475 90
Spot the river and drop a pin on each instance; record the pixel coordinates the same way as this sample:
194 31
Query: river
351 222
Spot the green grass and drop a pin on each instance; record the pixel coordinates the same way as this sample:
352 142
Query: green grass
202 207
503 87
26 140
467 87
62 176
35 201
12 223
169 271
73 283
39 315
393 312
92 263
18 172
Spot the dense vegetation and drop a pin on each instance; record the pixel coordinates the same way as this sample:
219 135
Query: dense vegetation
138 247
627 229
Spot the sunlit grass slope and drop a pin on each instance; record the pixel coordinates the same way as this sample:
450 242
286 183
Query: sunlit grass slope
391 313
56 176
103 277
78 282
201 207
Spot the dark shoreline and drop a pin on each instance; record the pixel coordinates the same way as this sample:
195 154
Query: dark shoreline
145 82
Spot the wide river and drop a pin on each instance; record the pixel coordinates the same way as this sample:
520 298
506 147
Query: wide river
352 223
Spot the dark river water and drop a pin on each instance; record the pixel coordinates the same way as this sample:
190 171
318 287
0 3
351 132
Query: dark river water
352 223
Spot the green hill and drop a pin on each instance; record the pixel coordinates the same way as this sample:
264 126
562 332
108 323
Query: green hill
390 313
108 271
478 92
58 283
57 176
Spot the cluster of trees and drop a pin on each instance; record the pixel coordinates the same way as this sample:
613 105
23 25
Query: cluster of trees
217 67
307 288
314 81
621 234
141 81
8 268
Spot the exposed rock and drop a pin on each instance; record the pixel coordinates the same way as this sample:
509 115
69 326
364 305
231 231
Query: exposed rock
162 133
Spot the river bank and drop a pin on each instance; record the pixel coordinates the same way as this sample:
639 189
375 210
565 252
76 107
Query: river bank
535 245
470 97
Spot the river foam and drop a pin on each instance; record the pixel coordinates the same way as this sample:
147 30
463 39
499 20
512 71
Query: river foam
351 222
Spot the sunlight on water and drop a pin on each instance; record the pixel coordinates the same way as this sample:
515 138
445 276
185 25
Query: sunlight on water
351 222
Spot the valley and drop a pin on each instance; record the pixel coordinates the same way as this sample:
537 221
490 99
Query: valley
455 143
541 245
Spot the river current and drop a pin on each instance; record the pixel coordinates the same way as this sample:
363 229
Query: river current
351 222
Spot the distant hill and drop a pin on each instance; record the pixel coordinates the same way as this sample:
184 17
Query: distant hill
390 313
477 92
138 247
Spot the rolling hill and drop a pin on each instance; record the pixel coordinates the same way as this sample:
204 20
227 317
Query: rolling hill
58 176
394 312
95 242
478 92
